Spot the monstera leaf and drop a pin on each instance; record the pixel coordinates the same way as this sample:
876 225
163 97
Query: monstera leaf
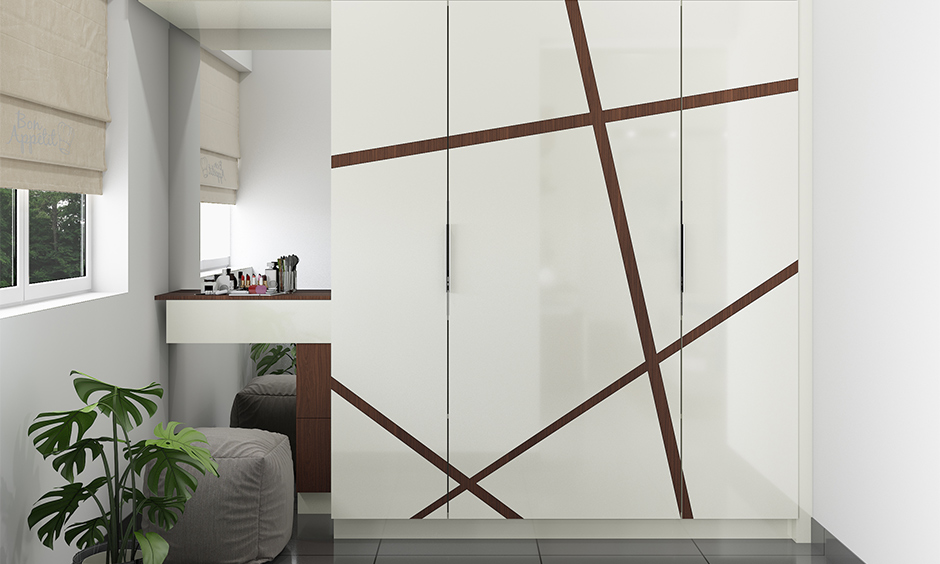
121 402
57 435
170 452
266 355
62 503
89 533
163 511
152 547
71 461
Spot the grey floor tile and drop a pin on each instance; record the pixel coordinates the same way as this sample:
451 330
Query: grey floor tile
459 547
355 547
352 560
625 559
617 547
756 547
454 559
309 547
770 559
341 547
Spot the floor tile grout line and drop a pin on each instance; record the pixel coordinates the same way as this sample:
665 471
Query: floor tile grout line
700 551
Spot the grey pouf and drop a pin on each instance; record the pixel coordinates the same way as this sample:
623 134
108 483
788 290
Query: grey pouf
268 402
245 516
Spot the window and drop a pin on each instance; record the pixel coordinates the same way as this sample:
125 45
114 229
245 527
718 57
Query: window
215 234
43 244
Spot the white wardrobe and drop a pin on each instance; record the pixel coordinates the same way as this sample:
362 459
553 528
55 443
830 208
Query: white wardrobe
565 245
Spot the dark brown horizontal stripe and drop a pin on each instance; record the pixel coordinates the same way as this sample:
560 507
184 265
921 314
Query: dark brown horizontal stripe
562 123
642 110
414 444
389 152
743 93
521 130
621 382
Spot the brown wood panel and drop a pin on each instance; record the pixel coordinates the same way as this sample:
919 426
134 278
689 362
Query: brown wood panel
642 110
313 455
196 295
743 93
520 130
389 152
423 450
673 348
313 380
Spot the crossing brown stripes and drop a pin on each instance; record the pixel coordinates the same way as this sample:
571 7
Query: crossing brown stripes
629 260
425 452
673 348
562 123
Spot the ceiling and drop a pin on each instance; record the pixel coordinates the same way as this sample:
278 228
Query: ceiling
243 14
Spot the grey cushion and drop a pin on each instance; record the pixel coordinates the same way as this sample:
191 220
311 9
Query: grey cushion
268 402
244 516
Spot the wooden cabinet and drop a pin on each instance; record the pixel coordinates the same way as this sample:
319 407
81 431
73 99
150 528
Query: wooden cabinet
313 417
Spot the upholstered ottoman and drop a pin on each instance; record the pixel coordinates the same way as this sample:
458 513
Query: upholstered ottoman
245 516
268 402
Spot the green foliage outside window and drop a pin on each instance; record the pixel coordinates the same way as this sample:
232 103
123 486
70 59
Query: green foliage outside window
7 237
56 236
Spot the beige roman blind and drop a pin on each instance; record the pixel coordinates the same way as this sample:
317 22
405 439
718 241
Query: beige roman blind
53 94
218 130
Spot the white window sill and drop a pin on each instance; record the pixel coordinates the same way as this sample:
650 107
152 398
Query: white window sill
42 305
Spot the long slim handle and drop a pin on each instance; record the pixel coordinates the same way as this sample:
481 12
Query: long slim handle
447 258
681 257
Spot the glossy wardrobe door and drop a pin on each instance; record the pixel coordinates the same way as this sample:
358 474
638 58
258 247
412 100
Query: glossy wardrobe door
541 317
740 196
388 253
388 73
389 335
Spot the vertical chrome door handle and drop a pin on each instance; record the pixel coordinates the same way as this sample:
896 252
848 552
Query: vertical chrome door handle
447 258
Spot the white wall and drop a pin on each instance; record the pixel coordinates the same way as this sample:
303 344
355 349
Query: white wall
877 266
284 174
117 338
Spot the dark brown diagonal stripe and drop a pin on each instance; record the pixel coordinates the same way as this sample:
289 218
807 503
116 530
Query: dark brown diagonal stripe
703 328
629 260
562 123
425 452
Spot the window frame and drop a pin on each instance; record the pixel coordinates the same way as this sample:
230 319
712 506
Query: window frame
24 292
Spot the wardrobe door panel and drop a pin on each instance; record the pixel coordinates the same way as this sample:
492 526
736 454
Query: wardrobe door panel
734 43
740 195
541 320
740 379
389 338
389 73
634 50
511 62
646 154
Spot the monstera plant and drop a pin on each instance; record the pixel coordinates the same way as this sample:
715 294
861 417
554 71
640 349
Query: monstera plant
268 356
167 463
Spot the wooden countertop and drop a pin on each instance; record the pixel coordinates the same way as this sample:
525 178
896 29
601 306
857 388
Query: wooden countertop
195 295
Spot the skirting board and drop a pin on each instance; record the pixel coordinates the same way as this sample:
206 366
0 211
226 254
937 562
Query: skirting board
559 529
313 504
320 503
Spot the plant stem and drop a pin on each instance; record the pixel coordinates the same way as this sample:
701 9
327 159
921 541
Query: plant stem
115 545
132 526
